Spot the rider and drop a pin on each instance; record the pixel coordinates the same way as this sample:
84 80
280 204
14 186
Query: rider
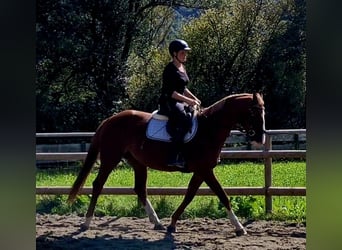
174 99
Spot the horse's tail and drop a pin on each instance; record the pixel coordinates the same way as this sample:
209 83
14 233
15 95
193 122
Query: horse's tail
87 166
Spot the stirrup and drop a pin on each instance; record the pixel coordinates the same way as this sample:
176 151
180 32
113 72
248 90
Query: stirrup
178 164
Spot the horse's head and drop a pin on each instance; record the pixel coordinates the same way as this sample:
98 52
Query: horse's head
245 112
252 121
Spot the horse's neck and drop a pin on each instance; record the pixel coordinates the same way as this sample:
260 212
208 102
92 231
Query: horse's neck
224 114
211 134
216 122
221 113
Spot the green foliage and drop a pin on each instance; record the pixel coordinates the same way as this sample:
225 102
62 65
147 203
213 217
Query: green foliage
82 52
282 71
96 58
146 78
239 46
243 206
164 207
57 204
210 208
236 38
79 67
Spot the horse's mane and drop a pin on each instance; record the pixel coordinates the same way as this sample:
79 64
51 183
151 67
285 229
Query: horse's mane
218 105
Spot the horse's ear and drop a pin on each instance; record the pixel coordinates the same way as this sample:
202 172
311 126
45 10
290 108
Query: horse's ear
255 98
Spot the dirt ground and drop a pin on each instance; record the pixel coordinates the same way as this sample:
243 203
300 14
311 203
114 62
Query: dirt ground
62 232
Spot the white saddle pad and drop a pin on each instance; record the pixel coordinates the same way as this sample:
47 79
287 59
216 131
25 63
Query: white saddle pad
156 130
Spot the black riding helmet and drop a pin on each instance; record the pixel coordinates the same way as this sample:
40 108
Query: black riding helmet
177 45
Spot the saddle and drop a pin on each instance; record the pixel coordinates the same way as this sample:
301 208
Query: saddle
156 128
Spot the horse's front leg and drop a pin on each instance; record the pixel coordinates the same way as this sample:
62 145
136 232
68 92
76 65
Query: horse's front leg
215 186
193 186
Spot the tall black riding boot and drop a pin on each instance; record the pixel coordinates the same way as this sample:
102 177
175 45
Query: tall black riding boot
176 156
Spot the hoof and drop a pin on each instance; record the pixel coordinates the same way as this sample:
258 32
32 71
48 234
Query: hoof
84 227
159 227
171 229
241 232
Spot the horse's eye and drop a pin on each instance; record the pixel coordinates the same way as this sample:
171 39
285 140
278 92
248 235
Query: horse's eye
251 133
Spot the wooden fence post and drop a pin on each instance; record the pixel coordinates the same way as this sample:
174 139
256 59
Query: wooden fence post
268 175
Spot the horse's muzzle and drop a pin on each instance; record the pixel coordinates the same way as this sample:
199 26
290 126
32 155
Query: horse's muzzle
257 145
257 140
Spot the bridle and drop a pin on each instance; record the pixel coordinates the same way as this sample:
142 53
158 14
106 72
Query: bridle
251 131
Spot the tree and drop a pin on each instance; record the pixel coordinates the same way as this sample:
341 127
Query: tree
82 53
228 45
79 69
282 71
95 58
244 46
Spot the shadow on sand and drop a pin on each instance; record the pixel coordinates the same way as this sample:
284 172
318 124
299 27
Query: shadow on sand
49 241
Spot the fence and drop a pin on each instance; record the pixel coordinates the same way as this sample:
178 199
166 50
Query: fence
236 152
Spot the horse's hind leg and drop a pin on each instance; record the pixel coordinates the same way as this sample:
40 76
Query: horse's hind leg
140 178
215 186
105 168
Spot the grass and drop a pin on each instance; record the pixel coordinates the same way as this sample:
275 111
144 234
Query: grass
284 173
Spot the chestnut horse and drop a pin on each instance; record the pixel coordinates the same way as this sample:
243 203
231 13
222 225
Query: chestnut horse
123 136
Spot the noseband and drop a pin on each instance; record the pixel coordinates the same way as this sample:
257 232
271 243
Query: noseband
251 132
